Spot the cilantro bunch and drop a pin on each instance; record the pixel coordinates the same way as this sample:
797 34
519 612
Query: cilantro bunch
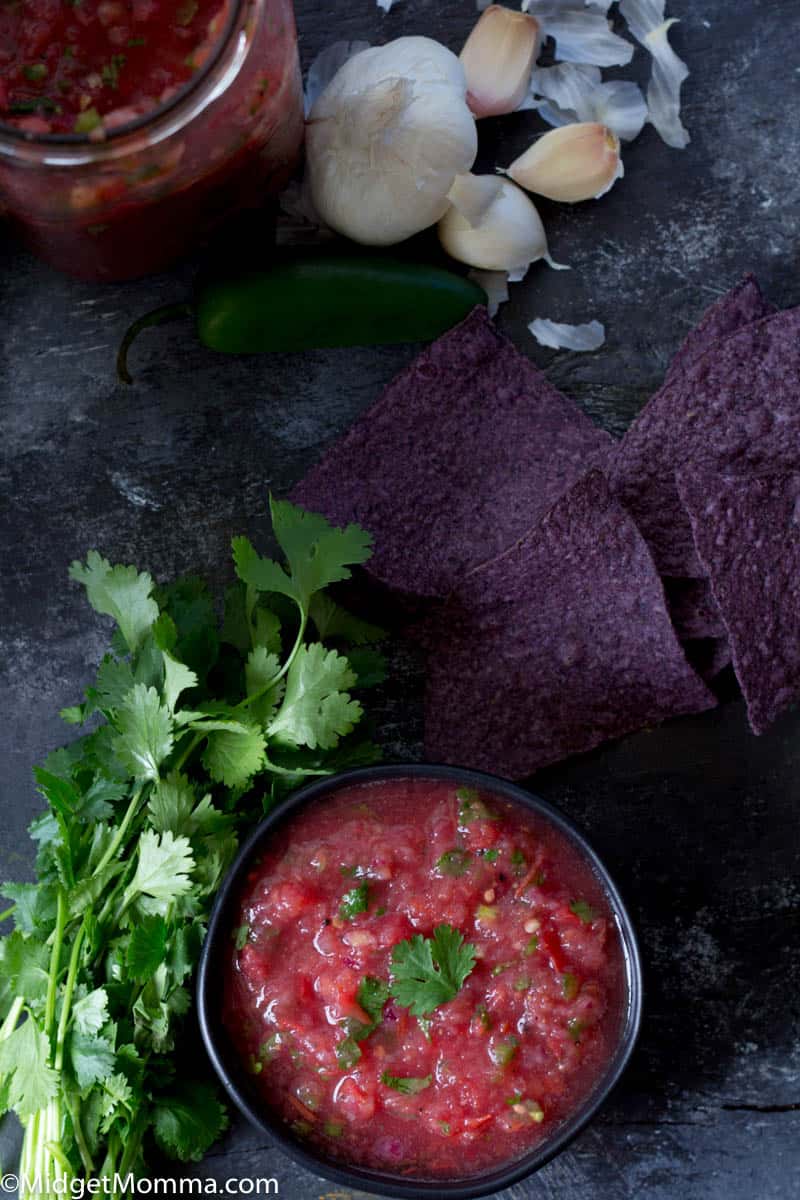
195 728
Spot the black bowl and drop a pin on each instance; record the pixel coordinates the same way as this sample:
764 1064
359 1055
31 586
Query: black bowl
238 1083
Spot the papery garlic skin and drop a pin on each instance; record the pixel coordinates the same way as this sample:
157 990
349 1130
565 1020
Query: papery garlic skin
387 138
509 235
570 164
498 58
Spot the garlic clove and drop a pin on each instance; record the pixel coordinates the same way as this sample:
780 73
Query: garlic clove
472 195
508 236
573 163
498 58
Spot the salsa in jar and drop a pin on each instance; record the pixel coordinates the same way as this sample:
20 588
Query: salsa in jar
424 979
129 129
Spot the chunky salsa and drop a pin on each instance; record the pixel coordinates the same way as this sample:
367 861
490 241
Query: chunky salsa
424 979
72 68
185 112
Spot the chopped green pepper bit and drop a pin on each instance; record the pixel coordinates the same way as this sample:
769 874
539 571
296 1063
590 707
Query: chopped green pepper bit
502 1053
498 970
348 1053
87 121
522 984
333 1129
515 1099
35 72
487 913
240 936
482 1014
301 1128
575 1029
532 946
584 911
472 807
445 1128
491 855
518 859
570 985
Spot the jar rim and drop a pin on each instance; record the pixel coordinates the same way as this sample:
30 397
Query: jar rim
185 92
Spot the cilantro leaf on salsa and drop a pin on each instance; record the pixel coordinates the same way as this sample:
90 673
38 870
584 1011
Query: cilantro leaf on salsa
372 994
428 972
406 1085
355 901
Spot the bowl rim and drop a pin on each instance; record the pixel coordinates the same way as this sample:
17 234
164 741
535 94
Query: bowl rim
227 1064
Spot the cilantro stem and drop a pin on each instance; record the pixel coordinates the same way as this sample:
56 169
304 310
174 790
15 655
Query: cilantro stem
55 960
69 987
122 831
8 913
10 1023
283 671
80 1140
55 1151
190 749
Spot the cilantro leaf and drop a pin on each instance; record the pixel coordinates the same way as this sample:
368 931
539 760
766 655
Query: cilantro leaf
147 947
145 732
583 911
90 1013
372 995
428 972
316 710
333 621
92 1058
188 1120
24 970
177 678
114 681
233 756
348 1052
368 666
318 553
27 1081
119 592
35 905
355 901
406 1085
163 867
260 669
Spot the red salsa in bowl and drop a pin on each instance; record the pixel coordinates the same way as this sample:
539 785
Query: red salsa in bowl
420 978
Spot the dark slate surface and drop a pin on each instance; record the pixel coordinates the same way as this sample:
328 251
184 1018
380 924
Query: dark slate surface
697 820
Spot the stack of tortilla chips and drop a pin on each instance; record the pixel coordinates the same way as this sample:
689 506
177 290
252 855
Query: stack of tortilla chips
580 587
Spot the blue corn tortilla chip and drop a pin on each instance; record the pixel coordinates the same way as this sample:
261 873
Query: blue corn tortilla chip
693 609
557 645
747 534
708 656
463 452
743 305
737 406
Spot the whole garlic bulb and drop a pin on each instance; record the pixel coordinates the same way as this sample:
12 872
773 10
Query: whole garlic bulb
386 139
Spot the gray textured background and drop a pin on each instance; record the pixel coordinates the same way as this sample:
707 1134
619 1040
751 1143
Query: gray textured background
697 820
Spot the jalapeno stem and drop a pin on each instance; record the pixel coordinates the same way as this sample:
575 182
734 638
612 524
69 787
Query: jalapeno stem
159 316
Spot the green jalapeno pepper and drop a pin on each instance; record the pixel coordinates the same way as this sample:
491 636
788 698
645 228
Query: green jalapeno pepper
310 301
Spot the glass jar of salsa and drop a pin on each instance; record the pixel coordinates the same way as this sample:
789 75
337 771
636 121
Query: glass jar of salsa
129 130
